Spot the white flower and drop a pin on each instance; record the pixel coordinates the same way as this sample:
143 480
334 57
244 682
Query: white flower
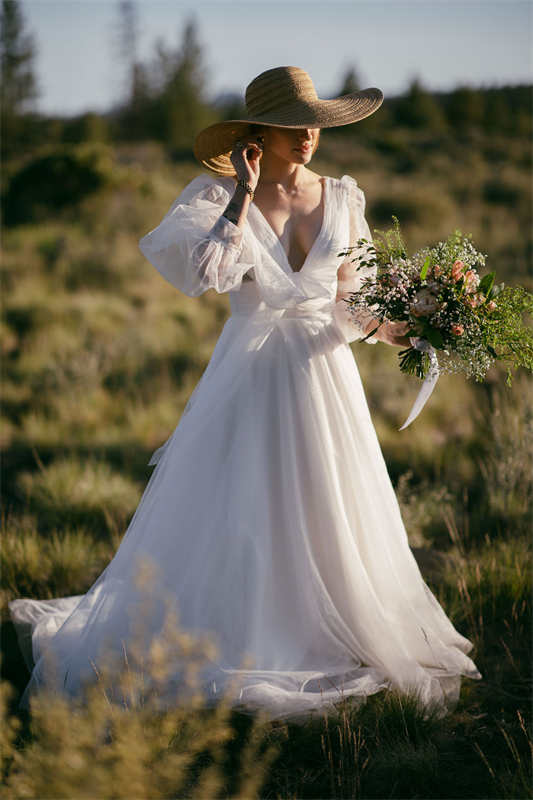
425 304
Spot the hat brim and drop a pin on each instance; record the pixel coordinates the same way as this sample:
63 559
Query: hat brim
213 146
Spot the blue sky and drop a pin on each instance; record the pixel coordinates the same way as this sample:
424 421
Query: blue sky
442 42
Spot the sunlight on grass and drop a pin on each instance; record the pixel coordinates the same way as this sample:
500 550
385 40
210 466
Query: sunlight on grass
61 564
100 356
72 490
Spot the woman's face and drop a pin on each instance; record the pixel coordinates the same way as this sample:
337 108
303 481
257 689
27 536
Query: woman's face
294 145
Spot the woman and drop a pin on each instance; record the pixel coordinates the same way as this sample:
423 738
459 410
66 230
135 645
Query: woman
270 516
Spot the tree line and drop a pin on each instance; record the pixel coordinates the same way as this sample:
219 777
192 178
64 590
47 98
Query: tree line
165 99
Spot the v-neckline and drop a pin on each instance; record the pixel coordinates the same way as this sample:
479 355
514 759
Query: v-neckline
323 198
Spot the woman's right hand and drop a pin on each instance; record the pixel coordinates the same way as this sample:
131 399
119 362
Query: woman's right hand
245 158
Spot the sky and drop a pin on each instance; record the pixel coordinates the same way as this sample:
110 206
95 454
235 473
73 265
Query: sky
443 43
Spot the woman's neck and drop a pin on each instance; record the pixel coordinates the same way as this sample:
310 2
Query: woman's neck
282 172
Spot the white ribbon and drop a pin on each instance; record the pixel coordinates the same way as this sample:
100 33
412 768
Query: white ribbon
430 381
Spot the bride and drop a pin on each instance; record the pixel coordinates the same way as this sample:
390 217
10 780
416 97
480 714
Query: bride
270 516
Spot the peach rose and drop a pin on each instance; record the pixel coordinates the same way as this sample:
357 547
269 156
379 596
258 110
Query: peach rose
471 280
458 330
492 305
457 270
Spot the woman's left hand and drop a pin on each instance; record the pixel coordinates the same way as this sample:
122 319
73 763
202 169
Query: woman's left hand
392 333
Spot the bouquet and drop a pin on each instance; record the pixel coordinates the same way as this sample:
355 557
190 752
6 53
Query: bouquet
467 320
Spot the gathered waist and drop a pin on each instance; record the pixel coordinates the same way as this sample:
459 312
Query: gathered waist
245 301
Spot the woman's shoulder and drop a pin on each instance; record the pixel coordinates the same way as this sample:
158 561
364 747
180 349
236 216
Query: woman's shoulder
346 182
346 189
353 191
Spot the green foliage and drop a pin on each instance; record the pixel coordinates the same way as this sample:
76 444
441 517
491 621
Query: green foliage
505 328
418 109
466 106
88 127
18 85
60 177
167 97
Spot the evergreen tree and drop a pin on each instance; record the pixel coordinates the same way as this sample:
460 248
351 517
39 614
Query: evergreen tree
179 109
498 116
18 87
466 107
132 122
351 83
418 109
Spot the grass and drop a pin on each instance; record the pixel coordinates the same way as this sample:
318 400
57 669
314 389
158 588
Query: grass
72 491
99 360
389 747
65 562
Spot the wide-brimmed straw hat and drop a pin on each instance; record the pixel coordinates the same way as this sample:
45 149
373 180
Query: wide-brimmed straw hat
283 97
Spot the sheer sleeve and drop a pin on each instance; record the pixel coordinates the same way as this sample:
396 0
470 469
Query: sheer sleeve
348 276
194 247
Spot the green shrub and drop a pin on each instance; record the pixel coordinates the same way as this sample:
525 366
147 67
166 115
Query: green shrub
60 177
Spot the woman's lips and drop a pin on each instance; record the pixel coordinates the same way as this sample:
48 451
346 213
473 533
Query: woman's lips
304 149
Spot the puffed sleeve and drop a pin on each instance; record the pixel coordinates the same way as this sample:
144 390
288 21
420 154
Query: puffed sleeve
348 276
194 247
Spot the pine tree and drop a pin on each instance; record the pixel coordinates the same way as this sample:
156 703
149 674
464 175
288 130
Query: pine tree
418 109
466 107
498 116
18 86
137 91
179 110
351 83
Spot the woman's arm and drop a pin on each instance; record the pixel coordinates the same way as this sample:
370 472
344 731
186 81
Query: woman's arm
350 274
245 158
195 247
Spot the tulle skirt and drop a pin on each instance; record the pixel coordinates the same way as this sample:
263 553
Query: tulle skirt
271 526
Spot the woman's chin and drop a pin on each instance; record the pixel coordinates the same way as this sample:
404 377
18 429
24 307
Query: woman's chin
302 158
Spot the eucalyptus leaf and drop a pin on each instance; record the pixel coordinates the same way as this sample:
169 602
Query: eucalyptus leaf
425 268
434 337
496 290
486 283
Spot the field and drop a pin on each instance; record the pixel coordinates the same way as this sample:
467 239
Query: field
99 359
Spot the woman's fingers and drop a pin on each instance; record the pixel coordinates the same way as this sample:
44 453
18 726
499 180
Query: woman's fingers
244 146
245 157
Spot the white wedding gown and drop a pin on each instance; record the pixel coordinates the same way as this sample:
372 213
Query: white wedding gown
270 516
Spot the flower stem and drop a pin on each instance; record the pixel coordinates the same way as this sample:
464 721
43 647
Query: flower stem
414 363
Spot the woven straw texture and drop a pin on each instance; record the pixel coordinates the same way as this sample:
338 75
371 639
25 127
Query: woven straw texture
282 97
